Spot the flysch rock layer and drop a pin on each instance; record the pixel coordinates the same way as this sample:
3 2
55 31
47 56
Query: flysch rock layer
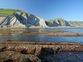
34 52
22 20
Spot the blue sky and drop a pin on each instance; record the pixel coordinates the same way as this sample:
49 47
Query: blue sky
48 9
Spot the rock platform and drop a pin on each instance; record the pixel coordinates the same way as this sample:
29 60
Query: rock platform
34 51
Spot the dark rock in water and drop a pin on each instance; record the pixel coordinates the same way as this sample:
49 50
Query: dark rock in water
44 53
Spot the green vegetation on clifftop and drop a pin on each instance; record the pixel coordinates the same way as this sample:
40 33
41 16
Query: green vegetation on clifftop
7 12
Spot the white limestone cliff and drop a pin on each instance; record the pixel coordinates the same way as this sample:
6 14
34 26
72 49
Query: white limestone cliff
23 20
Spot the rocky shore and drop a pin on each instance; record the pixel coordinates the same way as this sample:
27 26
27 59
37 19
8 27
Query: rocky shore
33 51
55 33
23 32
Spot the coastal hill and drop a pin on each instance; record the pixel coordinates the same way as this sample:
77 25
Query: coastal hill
19 19
62 22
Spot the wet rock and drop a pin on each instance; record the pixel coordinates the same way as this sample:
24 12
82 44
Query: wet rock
35 52
31 58
17 57
44 53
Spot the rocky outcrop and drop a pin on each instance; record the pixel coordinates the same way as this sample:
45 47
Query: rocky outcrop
35 52
56 22
23 20
76 23
62 22
11 56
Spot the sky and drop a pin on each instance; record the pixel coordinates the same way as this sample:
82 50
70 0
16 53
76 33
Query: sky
48 9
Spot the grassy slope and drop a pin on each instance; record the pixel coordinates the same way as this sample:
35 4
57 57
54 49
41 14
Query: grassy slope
7 12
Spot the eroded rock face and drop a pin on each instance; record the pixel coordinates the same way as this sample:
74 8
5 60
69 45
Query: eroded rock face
23 20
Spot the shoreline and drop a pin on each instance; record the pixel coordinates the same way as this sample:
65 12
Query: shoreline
56 34
67 27
50 33
45 33
43 27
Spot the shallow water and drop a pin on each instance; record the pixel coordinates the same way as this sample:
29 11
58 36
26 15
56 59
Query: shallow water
67 57
80 30
41 38
44 38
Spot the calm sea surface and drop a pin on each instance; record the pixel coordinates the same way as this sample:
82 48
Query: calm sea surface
44 38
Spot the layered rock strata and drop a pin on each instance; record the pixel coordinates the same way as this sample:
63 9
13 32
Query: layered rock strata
34 52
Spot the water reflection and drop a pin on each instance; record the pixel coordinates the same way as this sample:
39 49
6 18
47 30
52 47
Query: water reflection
40 38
